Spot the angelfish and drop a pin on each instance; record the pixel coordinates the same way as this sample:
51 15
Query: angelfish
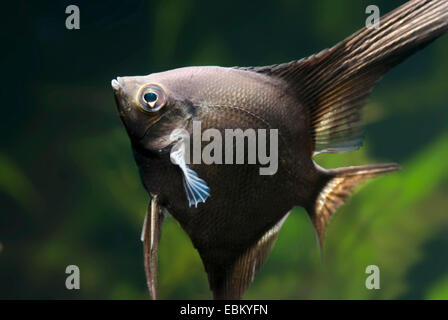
232 213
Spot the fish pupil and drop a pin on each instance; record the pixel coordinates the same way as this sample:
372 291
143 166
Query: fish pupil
150 97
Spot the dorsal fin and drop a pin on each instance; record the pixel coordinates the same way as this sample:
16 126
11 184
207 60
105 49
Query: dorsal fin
334 84
232 282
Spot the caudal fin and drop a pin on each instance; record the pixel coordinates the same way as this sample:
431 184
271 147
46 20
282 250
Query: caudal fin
337 187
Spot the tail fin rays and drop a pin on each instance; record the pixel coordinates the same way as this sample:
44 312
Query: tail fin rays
339 186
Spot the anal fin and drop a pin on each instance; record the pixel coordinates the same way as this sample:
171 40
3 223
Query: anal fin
233 283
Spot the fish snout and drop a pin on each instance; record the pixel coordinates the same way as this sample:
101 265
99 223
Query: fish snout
120 96
116 84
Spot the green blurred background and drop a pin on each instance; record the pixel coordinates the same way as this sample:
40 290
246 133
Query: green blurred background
70 192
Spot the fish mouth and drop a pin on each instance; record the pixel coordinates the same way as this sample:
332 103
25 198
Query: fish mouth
116 85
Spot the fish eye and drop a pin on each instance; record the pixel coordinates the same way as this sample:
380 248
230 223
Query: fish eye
152 98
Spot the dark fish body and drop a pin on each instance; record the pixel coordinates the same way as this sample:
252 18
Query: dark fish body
244 205
314 103
238 105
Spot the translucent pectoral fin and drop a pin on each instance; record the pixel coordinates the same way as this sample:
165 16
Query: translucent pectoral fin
195 187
